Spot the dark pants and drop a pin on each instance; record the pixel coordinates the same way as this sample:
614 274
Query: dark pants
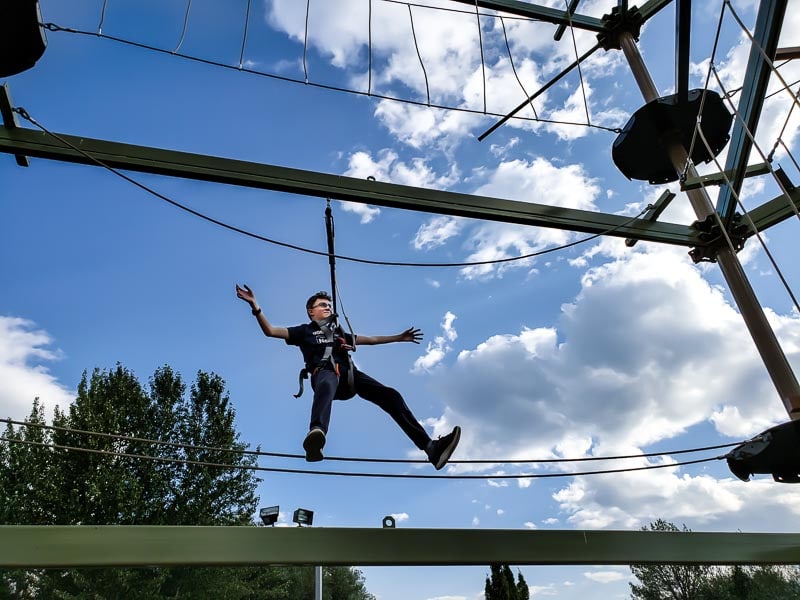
325 381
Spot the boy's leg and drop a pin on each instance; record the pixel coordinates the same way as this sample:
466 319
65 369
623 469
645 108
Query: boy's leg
392 402
324 383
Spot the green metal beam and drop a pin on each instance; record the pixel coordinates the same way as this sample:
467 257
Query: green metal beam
558 17
136 546
235 172
539 13
774 211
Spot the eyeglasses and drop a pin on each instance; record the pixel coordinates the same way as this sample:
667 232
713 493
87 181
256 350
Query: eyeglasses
322 305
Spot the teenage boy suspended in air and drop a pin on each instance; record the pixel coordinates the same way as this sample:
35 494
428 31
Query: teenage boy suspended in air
333 376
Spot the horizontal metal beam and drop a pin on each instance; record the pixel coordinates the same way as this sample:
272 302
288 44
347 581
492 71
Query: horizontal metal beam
136 546
539 13
787 53
693 183
295 181
559 17
774 211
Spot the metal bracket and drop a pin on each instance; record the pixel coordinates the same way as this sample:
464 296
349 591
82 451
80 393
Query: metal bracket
710 231
620 19
10 119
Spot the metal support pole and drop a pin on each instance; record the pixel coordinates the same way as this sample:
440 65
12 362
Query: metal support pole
753 314
318 582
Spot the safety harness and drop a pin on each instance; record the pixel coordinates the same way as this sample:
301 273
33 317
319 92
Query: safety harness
334 341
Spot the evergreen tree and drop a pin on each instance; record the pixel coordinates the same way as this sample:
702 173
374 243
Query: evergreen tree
500 584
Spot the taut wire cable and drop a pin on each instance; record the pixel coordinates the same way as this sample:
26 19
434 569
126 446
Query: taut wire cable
705 89
25 115
352 474
185 25
419 55
369 49
244 36
764 55
514 69
779 139
540 91
324 86
756 145
483 60
485 461
580 71
102 18
305 41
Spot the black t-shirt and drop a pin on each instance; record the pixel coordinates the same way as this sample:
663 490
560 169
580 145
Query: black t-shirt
312 342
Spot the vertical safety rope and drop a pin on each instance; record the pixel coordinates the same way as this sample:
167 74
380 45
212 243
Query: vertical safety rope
331 255
335 295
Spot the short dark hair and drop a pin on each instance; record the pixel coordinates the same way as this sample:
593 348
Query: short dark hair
319 295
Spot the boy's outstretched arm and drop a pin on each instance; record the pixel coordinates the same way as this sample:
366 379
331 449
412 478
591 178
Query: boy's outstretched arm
246 294
412 334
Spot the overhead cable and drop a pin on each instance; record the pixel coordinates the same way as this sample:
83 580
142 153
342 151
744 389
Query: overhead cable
484 461
354 474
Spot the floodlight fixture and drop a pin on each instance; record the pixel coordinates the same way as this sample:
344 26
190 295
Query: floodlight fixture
269 515
303 516
389 522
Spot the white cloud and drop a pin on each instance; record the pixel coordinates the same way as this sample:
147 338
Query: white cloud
436 232
529 525
604 576
388 168
538 181
542 590
23 352
400 517
438 348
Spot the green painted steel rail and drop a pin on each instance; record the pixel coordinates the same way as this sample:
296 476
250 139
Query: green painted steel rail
135 546
28 142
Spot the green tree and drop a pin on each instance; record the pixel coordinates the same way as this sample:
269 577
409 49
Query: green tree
668 582
500 584
754 583
40 484
707 582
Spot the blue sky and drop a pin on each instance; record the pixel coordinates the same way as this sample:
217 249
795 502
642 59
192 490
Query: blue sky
593 351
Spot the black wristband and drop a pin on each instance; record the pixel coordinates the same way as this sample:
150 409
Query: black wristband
257 312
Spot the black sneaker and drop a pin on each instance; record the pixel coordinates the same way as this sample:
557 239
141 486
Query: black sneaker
442 449
313 444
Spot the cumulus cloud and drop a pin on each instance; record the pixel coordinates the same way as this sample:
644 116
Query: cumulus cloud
417 55
24 352
387 167
537 180
438 348
645 352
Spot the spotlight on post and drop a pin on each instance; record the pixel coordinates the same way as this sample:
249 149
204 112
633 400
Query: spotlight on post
303 516
775 452
269 515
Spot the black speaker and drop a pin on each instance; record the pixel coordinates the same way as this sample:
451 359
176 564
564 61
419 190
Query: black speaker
22 38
